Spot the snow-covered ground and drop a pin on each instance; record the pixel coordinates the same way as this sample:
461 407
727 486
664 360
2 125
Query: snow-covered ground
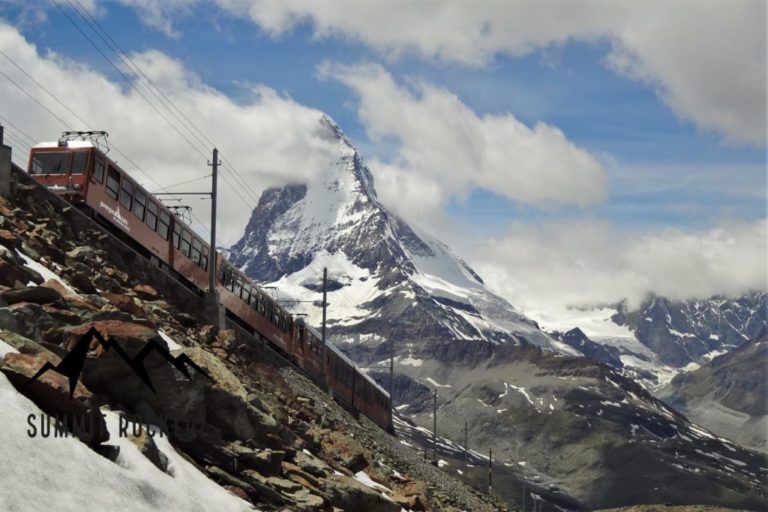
63 474
594 322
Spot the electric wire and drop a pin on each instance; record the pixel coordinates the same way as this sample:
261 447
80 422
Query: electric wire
30 140
162 98
54 115
128 80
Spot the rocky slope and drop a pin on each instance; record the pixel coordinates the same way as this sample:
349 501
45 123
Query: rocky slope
252 433
728 395
386 280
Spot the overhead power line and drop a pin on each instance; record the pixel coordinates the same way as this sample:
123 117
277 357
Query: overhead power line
159 95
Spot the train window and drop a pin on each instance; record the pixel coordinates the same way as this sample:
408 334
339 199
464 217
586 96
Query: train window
238 287
113 182
186 241
139 204
79 160
151 215
126 194
196 251
176 235
228 277
204 261
224 274
50 162
163 224
246 294
98 172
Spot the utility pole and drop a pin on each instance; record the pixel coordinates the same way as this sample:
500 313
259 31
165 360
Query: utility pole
434 429
524 491
5 166
490 470
212 251
466 450
325 304
214 310
392 377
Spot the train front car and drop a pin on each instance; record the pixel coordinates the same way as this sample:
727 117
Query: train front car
63 167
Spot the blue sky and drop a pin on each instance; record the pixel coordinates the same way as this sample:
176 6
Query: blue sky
664 154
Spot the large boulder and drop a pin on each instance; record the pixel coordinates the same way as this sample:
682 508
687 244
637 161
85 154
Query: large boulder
225 400
347 493
34 294
11 275
134 368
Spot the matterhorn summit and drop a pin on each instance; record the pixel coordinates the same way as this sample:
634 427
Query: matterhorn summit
385 278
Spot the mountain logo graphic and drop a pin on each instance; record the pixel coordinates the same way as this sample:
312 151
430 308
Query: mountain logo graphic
72 364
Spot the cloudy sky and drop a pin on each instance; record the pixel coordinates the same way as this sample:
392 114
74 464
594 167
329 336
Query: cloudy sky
572 152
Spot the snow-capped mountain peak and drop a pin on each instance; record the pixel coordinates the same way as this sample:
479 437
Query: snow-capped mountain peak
385 277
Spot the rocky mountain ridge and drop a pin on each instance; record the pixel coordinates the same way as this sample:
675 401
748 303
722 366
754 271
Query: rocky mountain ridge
682 332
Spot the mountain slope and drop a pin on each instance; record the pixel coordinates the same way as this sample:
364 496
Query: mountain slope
386 279
728 395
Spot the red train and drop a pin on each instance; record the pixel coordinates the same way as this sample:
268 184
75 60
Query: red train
80 172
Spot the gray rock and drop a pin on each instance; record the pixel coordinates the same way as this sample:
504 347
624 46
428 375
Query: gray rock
81 253
21 343
263 489
349 494
305 500
146 445
266 462
313 465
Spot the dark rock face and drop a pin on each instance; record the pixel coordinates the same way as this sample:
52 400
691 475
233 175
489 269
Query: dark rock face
253 248
682 332
600 353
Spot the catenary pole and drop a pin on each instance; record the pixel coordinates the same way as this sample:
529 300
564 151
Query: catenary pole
212 249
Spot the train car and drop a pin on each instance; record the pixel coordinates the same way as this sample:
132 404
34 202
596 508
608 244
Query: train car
76 168
353 385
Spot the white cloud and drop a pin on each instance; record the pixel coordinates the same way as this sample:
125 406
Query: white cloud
444 149
586 261
158 14
707 60
270 139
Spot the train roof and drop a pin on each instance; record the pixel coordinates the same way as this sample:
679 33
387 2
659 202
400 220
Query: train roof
337 351
68 144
